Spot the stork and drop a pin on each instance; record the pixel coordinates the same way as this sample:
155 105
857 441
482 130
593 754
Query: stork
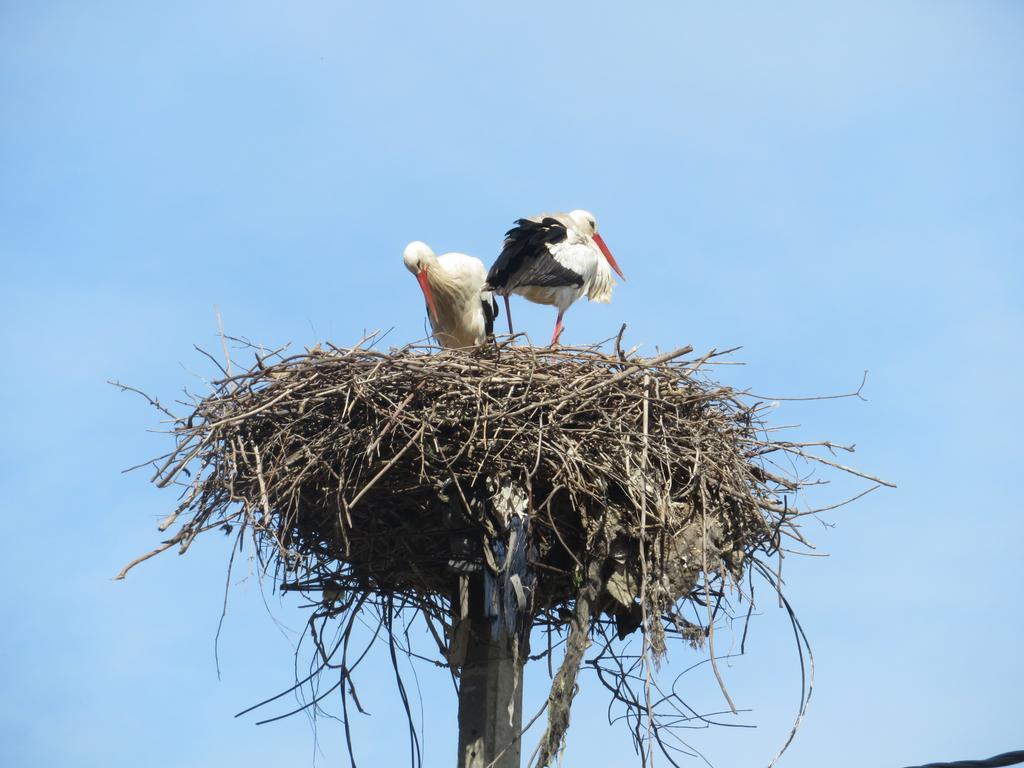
461 312
554 259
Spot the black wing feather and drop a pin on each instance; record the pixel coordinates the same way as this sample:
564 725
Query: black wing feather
490 307
526 260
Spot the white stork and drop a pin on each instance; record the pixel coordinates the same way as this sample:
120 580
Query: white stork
461 312
554 260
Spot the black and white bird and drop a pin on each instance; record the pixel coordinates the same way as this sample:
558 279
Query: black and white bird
554 259
461 312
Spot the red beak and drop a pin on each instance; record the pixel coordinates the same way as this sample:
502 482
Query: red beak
608 255
427 294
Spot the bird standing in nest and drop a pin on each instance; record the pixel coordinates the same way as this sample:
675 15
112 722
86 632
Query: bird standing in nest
461 312
554 259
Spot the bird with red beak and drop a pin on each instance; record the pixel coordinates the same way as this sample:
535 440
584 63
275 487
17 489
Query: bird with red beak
554 259
461 312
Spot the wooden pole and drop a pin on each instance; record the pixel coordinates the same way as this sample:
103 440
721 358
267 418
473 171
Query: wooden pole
494 604
490 699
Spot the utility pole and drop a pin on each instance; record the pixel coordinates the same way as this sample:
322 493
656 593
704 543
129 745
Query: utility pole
490 697
495 606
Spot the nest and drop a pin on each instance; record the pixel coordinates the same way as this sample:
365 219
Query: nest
600 493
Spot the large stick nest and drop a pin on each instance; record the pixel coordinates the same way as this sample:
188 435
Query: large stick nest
367 478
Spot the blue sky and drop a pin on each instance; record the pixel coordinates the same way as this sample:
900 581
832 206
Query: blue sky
835 187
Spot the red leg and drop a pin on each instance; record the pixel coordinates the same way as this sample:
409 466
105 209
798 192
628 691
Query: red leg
508 314
558 329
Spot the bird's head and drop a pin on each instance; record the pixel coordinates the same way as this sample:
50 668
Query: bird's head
419 258
586 225
584 222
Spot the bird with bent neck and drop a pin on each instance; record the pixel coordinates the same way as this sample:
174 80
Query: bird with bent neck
461 312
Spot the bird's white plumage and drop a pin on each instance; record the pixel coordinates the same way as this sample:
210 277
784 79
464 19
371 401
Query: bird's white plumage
456 282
